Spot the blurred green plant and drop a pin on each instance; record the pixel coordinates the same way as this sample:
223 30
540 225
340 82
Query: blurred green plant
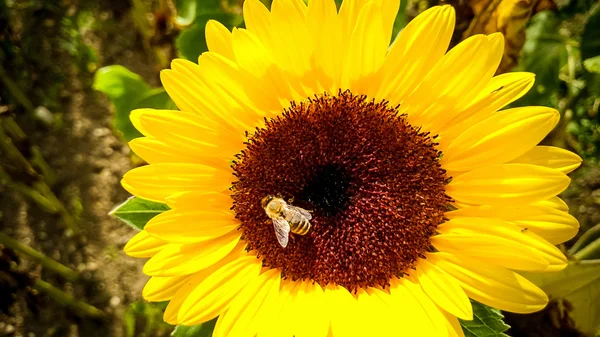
576 289
128 91
144 319
561 49
193 15
202 330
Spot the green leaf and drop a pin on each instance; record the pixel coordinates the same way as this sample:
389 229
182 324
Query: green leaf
186 11
123 88
191 42
487 322
136 212
544 53
590 39
579 286
592 64
156 98
128 91
400 21
202 330
142 318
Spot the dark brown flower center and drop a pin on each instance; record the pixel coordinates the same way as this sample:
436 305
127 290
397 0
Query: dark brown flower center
372 182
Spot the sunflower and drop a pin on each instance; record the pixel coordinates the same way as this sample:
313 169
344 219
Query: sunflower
422 192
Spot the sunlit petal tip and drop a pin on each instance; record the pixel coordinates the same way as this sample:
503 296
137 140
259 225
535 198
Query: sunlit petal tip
143 245
496 38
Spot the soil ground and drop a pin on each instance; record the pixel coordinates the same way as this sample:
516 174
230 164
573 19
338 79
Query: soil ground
89 160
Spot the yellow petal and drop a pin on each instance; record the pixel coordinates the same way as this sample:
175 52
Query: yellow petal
192 226
418 307
552 224
389 10
342 305
471 235
500 91
491 285
348 14
170 315
220 100
245 93
144 245
371 309
269 310
443 290
415 51
218 39
253 57
292 46
189 258
500 138
490 249
551 157
237 320
282 322
195 201
367 47
507 184
191 133
154 151
213 294
157 181
258 20
454 327
324 31
159 289
308 302
554 202
480 73
463 71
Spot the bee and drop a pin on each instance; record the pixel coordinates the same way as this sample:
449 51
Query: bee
286 218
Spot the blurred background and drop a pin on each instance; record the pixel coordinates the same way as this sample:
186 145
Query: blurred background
70 72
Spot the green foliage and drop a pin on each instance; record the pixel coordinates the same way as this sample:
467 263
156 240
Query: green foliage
590 39
143 319
487 322
202 330
544 53
136 212
579 286
592 65
191 41
401 19
128 91
195 14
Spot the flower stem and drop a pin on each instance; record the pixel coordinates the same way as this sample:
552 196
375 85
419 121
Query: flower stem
42 259
588 251
14 89
585 239
79 308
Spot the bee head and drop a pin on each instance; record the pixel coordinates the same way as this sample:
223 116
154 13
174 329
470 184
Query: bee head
266 200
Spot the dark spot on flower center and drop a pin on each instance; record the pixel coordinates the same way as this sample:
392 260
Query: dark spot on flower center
372 182
327 189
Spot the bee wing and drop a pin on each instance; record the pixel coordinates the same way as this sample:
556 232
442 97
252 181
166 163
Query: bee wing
282 231
297 214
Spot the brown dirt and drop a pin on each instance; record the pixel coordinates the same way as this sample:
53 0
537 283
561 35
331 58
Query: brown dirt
89 160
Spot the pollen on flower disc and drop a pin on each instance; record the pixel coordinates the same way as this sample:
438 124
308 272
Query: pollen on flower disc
372 181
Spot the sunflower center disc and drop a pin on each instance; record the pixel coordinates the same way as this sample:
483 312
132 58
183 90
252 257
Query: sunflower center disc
372 182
